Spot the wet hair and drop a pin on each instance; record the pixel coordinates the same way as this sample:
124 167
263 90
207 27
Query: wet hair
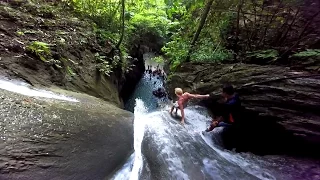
178 91
228 89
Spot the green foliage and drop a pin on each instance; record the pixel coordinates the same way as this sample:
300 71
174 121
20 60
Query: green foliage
210 44
169 77
105 68
142 18
308 53
264 54
103 65
231 28
175 9
158 59
20 33
70 71
148 22
208 51
31 32
103 12
147 18
23 32
105 35
107 65
40 49
176 50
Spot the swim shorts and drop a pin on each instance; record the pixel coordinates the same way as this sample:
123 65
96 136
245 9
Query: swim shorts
176 105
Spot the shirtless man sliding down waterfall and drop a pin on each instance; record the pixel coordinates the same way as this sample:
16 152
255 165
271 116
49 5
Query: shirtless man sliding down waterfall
182 101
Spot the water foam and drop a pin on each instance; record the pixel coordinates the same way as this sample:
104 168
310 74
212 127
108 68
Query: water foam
131 170
197 119
234 158
25 89
139 123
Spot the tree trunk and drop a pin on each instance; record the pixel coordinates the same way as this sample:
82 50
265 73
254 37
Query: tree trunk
238 19
283 37
255 31
236 46
201 24
301 35
307 25
268 25
122 29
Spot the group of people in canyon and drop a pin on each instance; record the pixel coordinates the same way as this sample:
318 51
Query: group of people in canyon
157 72
159 92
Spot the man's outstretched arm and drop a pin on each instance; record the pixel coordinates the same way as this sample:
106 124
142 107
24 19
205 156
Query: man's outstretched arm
198 96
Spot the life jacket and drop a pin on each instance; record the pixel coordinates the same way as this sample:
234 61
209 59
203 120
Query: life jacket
231 118
235 104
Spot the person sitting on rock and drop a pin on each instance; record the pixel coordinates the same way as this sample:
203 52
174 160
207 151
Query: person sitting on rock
230 111
182 101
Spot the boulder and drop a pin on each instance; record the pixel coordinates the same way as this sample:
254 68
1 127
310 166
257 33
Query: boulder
282 105
54 139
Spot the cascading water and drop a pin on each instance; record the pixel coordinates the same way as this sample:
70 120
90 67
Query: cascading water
26 89
164 149
132 168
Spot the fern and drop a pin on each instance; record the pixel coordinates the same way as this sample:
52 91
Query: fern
308 53
264 54
103 65
70 71
104 68
40 49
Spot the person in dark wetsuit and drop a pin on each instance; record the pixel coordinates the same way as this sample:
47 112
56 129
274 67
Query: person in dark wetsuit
159 93
231 109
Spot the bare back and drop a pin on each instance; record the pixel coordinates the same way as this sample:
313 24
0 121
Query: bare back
183 99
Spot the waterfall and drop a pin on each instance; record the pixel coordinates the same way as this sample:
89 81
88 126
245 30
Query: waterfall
132 168
164 149
140 112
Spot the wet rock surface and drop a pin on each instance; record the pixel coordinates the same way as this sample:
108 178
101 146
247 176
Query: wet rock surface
282 105
53 139
72 59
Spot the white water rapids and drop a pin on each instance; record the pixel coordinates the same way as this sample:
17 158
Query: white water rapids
166 150
175 147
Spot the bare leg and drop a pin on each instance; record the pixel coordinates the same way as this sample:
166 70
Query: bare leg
171 110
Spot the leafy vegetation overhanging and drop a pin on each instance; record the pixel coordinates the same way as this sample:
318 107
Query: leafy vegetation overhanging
205 30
